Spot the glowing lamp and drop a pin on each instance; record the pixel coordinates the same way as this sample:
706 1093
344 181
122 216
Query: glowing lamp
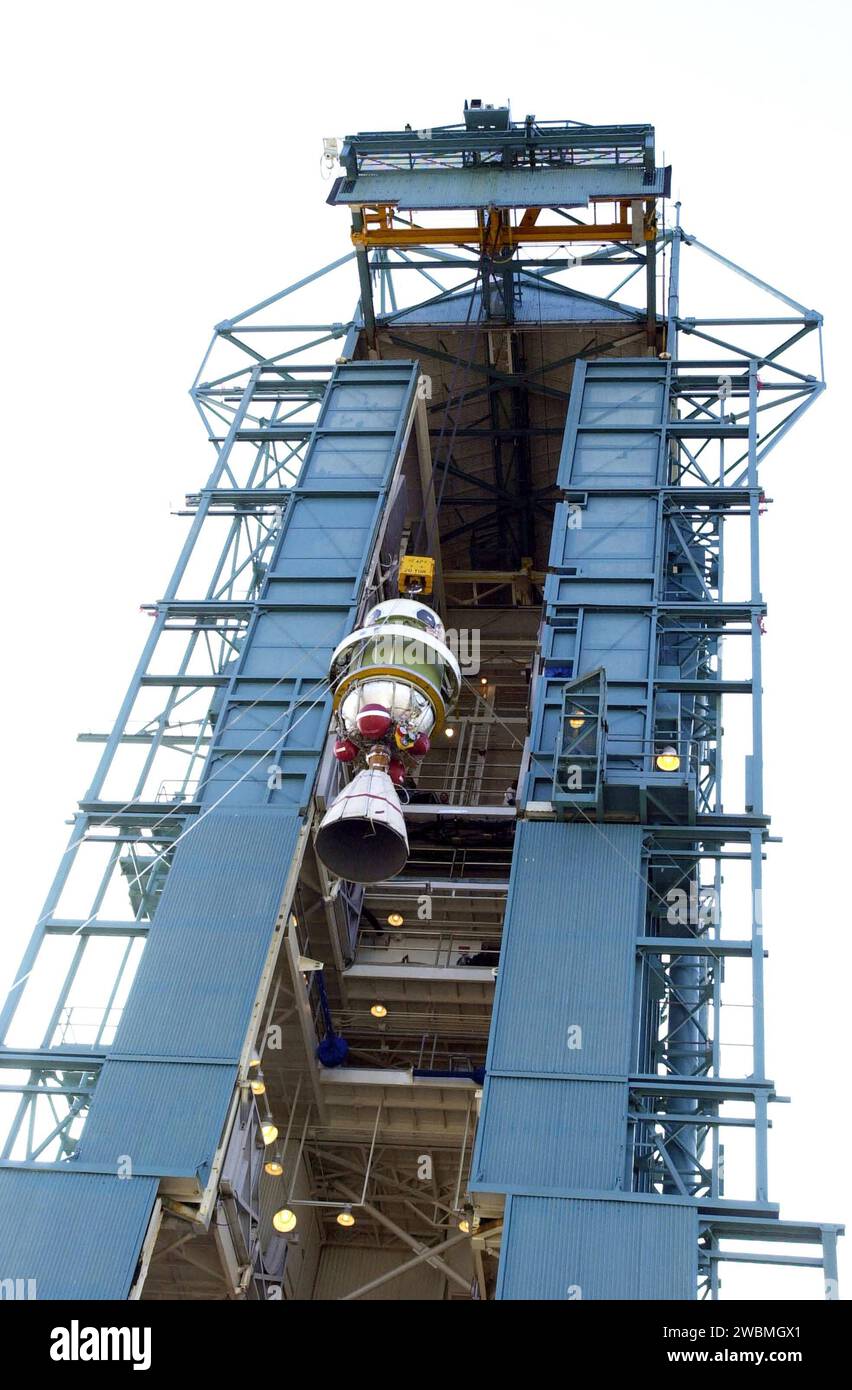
668 760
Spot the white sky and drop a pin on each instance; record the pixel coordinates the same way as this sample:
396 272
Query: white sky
163 167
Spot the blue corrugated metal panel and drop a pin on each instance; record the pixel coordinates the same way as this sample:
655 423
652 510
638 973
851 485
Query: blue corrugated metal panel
77 1235
622 587
327 538
614 460
609 536
197 983
568 954
603 556
560 1135
604 444
199 973
611 402
577 1249
490 187
620 642
166 1118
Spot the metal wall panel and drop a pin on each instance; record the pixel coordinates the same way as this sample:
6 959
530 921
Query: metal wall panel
158 1101
615 460
622 404
620 642
198 976
605 444
555 1135
577 1249
77 1235
604 562
606 532
165 1118
572 917
578 890
342 1269
311 591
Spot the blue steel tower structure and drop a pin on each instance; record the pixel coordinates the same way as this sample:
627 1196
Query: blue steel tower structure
506 1072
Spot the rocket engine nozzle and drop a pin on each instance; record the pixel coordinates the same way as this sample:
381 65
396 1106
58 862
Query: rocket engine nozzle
362 836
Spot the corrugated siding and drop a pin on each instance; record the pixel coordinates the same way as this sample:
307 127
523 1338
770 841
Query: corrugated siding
78 1235
342 1269
199 973
562 1249
551 1134
193 994
311 591
617 537
629 392
166 1118
568 950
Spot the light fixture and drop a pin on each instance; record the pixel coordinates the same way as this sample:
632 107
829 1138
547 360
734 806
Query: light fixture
269 1132
395 919
258 1086
577 720
274 1168
449 732
379 1011
668 760
483 680
468 1220
284 1220
255 1062
345 1217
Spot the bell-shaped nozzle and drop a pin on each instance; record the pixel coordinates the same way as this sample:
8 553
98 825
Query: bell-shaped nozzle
362 835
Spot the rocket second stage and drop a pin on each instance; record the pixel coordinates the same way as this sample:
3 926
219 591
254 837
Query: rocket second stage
395 680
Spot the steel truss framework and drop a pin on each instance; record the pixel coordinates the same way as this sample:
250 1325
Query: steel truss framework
744 384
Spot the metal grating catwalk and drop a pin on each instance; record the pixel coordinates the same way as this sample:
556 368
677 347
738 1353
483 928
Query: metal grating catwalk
507 1070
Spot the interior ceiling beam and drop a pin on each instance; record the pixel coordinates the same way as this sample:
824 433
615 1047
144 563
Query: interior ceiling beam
482 521
379 1175
483 368
509 432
